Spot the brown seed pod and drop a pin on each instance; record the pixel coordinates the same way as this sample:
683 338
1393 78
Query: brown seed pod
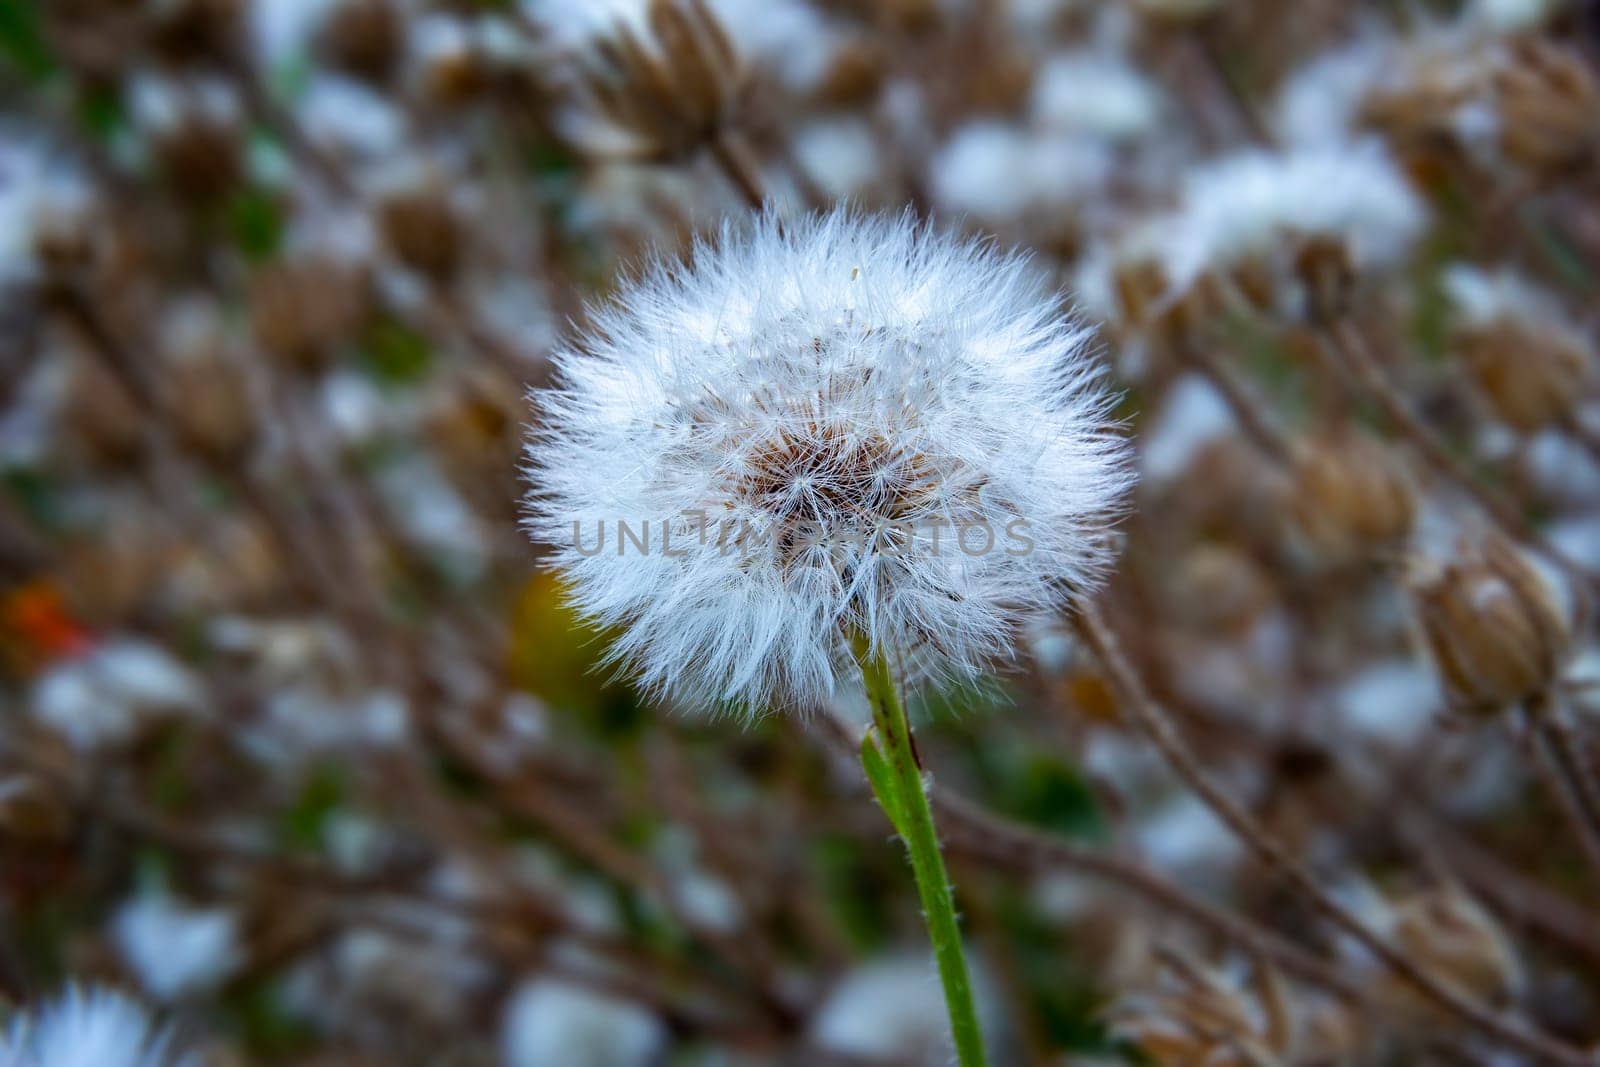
210 403
107 579
450 63
1350 497
421 226
197 31
1547 96
1531 377
304 308
1200 1015
1417 109
1450 935
1492 626
365 38
1222 589
196 133
99 415
855 75
1328 277
1144 296
91 37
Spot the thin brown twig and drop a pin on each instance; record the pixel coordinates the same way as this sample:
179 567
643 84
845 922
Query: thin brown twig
290 539
972 831
1251 414
733 155
1587 437
567 824
1553 773
1346 341
1522 900
1555 735
1153 722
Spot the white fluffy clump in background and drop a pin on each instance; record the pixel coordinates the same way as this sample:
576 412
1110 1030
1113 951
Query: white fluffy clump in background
1094 93
998 172
282 30
103 696
892 1008
160 103
1484 297
1319 102
1193 416
84 1028
1391 702
837 386
549 1023
38 189
1512 16
341 115
842 156
791 41
1243 204
173 949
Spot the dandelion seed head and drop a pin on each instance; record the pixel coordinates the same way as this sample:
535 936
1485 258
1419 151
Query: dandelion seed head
846 396
84 1028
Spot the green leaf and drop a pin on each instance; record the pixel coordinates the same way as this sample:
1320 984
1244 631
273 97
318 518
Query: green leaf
881 777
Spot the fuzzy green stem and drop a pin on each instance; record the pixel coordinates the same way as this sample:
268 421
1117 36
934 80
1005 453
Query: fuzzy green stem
891 766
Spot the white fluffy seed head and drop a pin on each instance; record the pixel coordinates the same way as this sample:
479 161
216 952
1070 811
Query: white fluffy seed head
824 430
84 1028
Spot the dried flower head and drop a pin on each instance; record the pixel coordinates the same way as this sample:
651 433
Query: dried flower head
421 224
1199 1014
1548 99
1530 363
1351 498
823 429
196 134
198 31
671 83
1454 937
217 415
305 306
1493 625
1531 377
365 37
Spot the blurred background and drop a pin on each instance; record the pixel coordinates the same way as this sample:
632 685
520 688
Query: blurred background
301 747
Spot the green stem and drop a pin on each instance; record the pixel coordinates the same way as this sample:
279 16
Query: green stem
891 766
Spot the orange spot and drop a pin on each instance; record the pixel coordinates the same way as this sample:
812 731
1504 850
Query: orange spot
36 618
